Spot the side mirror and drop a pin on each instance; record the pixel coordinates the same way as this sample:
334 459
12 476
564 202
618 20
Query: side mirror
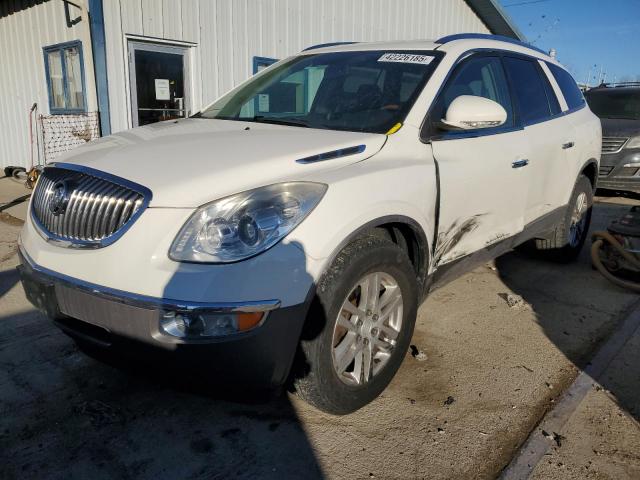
468 112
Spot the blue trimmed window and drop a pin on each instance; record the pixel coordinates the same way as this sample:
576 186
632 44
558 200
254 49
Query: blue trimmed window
260 63
64 70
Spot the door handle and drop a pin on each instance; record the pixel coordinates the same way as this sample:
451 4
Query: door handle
520 163
567 145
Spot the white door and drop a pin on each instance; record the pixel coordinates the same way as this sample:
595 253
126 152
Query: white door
482 173
548 133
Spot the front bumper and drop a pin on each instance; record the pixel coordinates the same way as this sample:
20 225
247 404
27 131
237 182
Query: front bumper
620 171
129 324
625 184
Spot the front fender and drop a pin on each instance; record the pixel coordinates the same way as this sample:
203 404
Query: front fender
363 196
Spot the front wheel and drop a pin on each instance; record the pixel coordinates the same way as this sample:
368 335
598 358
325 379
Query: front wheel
360 326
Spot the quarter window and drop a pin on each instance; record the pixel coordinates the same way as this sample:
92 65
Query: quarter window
529 89
570 91
65 77
481 77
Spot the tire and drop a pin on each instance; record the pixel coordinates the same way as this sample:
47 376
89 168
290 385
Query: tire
321 384
567 240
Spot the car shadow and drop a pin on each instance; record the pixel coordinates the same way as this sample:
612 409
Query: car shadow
573 305
8 278
96 413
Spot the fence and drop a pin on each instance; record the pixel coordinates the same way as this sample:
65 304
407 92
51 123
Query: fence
61 133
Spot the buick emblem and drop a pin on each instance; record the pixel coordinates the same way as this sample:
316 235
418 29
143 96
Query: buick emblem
59 197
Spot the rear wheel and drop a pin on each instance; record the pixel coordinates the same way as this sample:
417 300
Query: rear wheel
359 329
567 239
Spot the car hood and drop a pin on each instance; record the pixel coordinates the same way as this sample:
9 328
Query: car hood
187 163
614 127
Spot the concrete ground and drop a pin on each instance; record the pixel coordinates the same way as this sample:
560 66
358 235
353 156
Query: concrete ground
490 374
14 197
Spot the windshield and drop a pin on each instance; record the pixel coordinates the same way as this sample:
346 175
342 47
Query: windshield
615 104
367 91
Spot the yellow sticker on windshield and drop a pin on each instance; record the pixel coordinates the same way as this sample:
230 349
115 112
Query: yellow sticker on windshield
406 58
394 129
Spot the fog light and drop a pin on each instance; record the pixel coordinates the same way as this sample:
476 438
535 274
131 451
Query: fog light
203 324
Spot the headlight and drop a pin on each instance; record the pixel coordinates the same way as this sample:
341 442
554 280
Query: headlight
245 224
634 142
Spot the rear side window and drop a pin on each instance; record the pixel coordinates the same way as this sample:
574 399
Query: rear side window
529 89
567 84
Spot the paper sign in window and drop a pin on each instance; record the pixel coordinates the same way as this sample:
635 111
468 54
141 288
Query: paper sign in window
162 89
263 102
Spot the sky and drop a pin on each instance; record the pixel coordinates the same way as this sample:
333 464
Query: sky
589 36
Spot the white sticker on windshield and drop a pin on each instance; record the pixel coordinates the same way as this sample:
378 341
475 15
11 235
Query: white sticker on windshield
406 58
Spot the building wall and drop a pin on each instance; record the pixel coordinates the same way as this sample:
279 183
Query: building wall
23 34
225 35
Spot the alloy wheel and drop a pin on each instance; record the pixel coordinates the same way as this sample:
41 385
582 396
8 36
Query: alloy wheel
578 220
367 328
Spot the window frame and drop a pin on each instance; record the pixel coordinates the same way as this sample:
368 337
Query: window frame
551 67
427 131
60 48
262 61
543 76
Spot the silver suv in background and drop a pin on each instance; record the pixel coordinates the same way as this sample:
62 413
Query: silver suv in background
618 106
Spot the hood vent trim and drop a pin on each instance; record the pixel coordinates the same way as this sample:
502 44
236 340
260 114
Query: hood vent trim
343 152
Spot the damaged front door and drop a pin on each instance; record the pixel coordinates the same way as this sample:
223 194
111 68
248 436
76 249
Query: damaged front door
482 173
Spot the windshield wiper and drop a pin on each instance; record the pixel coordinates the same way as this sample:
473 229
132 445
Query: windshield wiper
278 121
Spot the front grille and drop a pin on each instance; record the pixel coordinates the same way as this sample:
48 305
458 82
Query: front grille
81 207
613 144
604 171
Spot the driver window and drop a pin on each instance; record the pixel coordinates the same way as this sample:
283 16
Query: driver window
481 77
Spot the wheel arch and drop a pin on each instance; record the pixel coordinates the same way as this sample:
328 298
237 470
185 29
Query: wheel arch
590 170
403 231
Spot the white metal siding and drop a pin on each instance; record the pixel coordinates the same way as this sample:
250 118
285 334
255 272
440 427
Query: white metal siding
227 34
22 74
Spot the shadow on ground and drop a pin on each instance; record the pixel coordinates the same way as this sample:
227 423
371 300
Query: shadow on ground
8 278
571 308
124 418
84 419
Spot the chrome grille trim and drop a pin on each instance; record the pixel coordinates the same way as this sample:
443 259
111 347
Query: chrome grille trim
613 144
100 207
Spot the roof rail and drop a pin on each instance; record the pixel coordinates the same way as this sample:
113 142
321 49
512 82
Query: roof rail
618 84
486 36
331 44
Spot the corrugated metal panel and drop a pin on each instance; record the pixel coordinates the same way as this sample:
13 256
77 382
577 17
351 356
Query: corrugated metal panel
23 34
172 19
227 34
116 67
131 14
152 18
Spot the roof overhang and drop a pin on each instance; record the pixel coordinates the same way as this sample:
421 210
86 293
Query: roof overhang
495 18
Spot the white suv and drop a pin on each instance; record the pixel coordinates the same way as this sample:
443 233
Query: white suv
290 230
